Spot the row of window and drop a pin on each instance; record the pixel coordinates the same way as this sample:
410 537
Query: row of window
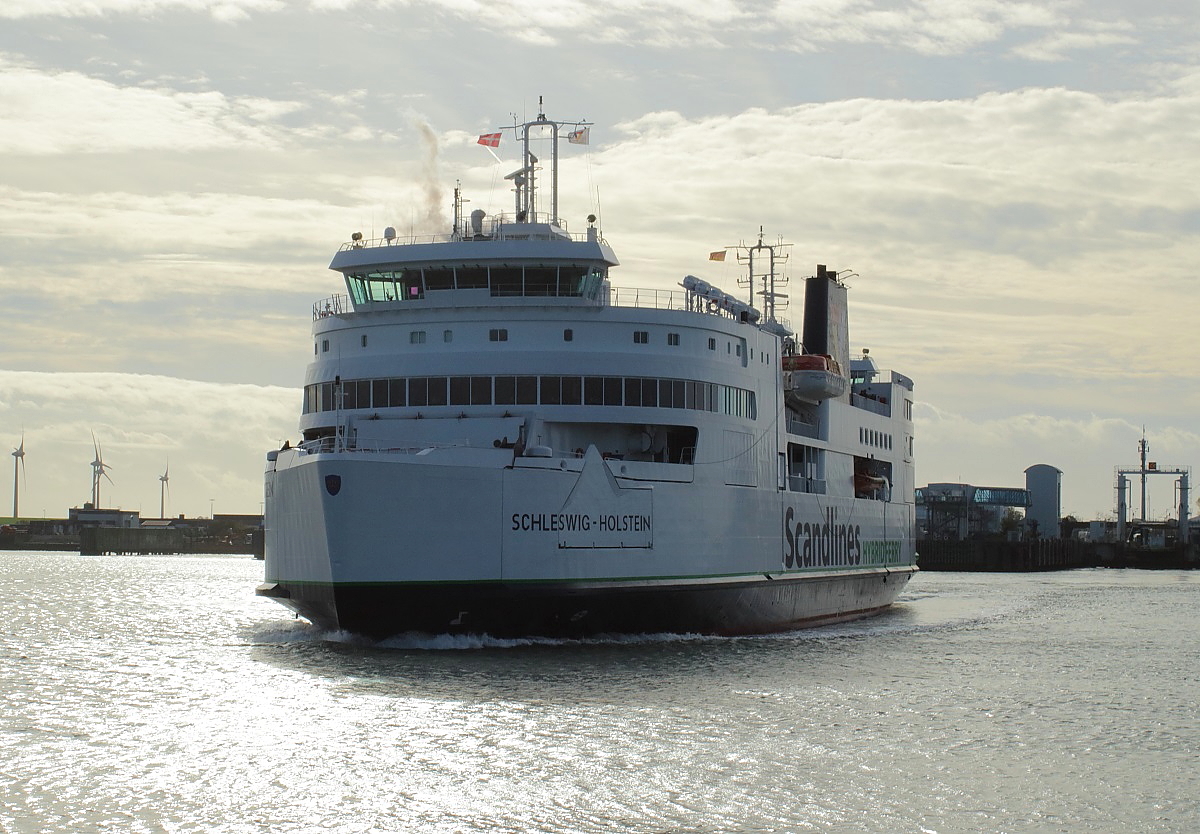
406 392
871 437
574 280
500 334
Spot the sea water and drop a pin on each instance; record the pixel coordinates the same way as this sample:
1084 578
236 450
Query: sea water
147 694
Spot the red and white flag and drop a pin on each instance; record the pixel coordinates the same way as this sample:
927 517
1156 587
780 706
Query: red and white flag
492 140
580 137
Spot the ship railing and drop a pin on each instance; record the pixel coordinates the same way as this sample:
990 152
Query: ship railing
640 297
332 444
871 403
802 428
502 226
334 305
648 298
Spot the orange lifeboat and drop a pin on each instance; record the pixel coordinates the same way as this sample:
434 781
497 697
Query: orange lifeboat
806 362
812 377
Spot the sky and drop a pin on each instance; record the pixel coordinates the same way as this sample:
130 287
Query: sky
1012 184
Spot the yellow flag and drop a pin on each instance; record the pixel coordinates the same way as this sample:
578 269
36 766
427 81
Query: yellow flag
717 256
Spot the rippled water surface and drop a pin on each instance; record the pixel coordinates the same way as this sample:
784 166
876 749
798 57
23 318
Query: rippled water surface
158 694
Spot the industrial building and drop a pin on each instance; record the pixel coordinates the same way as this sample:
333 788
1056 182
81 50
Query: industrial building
958 512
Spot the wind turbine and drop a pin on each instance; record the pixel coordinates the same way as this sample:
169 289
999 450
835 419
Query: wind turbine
99 469
163 490
18 463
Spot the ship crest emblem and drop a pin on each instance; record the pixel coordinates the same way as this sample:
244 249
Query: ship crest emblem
333 484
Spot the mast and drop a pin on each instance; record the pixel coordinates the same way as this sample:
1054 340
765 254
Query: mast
1143 448
525 178
457 228
763 261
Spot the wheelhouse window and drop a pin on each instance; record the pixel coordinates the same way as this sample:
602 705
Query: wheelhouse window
471 277
578 280
541 280
507 280
439 279
392 285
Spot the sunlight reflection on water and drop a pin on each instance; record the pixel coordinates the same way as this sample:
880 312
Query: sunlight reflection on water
158 694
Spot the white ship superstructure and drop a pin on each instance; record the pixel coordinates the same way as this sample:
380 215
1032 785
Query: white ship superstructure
498 440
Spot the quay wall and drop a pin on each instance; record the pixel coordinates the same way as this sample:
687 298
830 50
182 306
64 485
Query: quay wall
1046 555
94 541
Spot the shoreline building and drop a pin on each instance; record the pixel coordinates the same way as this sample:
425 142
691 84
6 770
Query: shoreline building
1044 515
957 512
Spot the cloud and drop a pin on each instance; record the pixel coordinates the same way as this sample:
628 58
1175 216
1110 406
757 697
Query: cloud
924 27
222 10
164 226
67 112
1017 214
1058 46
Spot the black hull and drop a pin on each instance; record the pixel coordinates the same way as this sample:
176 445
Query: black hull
571 610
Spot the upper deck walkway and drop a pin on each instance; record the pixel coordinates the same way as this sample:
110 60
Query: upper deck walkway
634 297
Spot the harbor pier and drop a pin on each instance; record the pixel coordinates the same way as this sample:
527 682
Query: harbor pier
1048 555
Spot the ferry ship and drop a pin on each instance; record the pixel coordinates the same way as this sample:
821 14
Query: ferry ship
498 440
